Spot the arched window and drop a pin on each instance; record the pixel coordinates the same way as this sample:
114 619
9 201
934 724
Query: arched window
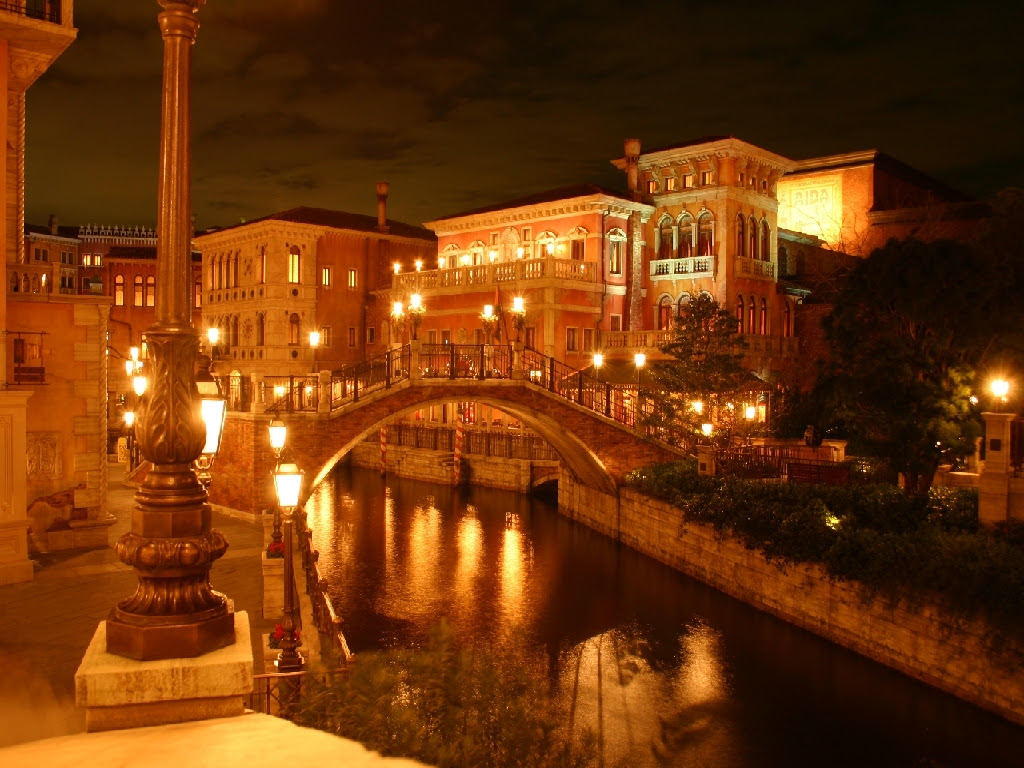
294 265
752 236
234 331
24 283
138 299
739 313
150 291
220 272
293 329
705 234
763 330
213 272
234 268
751 317
15 283
35 283
616 250
784 261
664 313
259 330
665 249
197 293
263 264
741 235
787 322
119 290
685 236
766 252
681 305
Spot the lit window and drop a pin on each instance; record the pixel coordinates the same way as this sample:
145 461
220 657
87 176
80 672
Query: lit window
616 322
197 290
615 257
326 336
325 277
293 329
686 237
577 250
588 339
151 291
119 290
705 234
351 336
294 265
687 181
652 187
371 335
741 236
705 178
353 279
670 184
571 340
137 298
664 313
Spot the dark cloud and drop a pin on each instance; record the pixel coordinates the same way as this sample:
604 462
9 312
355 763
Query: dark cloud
461 104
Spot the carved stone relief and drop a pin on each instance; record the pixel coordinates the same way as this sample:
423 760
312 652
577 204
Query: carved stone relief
44 455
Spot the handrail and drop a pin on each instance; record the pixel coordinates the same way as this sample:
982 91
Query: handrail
333 645
378 372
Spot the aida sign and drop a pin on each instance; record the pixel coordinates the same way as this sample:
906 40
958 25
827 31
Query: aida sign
812 206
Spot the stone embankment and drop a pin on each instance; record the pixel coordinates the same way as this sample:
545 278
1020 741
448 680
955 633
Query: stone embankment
920 640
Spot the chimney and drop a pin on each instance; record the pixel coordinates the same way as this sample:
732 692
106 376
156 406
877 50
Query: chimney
53 224
632 147
382 205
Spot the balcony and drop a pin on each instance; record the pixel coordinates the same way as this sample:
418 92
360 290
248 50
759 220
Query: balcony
634 341
764 270
693 267
44 10
498 272
37 32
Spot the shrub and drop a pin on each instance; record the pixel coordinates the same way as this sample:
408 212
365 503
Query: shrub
892 544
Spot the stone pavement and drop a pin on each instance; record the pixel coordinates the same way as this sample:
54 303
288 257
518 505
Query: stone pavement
46 624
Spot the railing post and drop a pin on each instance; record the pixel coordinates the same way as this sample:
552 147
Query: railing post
355 387
324 392
415 360
451 361
518 372
551 374
483 357
579 388
607 400
387 368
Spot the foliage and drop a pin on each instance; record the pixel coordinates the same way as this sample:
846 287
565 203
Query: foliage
893 544
906 332
275 549
446 705
707 368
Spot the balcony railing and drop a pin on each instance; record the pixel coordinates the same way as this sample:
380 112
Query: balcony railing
634 340
693 267
498 272
755 268
44 10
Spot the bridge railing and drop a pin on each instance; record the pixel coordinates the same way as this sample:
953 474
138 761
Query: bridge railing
498 444
291 394
465 361
378 372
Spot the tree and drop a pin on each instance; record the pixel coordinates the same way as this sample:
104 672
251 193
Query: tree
707 369
907 331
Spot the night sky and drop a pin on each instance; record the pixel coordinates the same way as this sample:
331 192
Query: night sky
462 104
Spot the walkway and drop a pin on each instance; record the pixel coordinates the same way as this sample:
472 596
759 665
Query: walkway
46 624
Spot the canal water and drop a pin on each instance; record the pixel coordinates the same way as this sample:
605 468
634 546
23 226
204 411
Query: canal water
665 670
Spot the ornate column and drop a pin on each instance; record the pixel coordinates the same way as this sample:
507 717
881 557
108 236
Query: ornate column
636 273
174 612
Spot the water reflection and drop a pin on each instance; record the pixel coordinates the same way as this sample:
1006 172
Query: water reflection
664 670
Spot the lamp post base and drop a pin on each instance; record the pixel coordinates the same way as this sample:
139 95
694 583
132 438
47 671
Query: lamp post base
149 642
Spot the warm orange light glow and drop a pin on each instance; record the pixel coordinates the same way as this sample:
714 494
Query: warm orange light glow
493 255
518 305
213 335
698 407
314 339
397 310
133 353
139 384
750 413
441 261
488 310
129 418
415 303
598 359
419 264
639 359
1000 388
706 429
520 251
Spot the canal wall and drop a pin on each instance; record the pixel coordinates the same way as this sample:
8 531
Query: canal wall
920 640
438 466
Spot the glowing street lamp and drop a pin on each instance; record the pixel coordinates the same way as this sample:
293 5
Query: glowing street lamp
598 362
288 485
1000 388
416 310
278 434
314 343
213 336
707 428
639 360
213 408
489 320
698 407
750 412
518 315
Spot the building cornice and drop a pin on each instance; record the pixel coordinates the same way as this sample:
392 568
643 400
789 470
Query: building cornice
719 148
607 205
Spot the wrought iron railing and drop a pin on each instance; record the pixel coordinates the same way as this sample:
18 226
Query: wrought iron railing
238 391
334 649
465 361
351 382
291 394
44 10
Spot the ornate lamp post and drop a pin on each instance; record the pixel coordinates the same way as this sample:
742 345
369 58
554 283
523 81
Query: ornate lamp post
518 315
314 343
489 320
288 484
416 310
278 434
397 321
174 612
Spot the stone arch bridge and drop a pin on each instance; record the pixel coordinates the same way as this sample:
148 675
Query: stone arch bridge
592 425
